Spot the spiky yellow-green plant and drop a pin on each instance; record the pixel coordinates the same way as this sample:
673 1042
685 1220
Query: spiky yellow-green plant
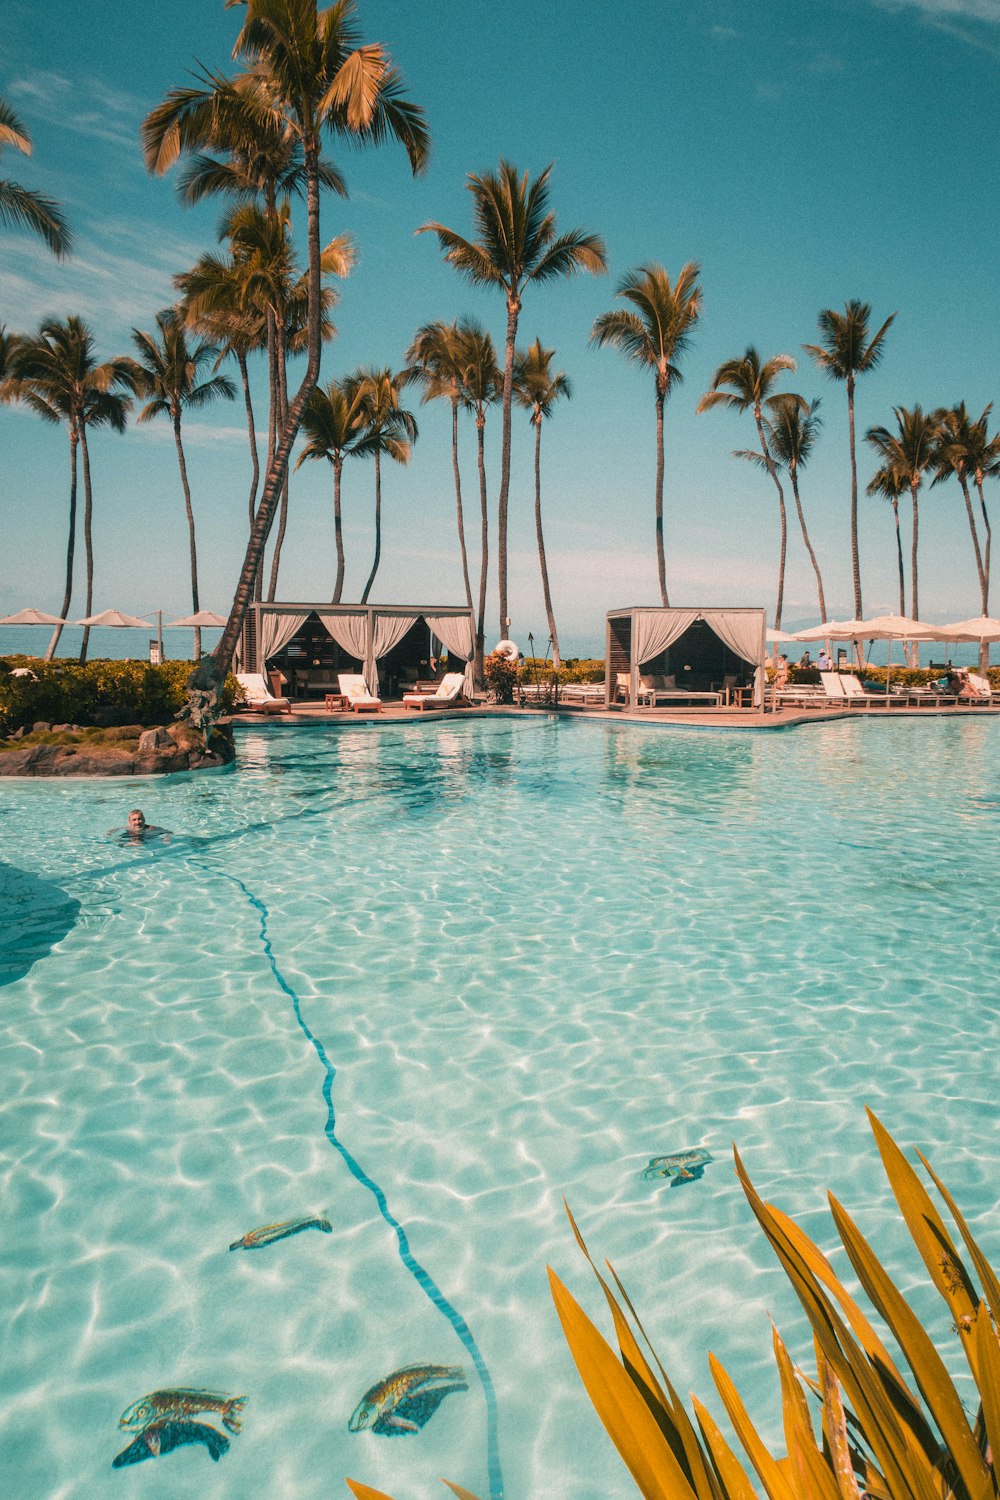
886 1431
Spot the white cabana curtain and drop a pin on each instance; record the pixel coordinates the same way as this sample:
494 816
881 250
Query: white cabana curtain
387 631
276 631
653 630
456 635
741 632
349 630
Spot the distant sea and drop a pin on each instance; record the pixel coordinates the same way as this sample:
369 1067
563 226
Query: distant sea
125 645
116 645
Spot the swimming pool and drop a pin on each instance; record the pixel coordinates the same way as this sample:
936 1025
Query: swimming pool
424 980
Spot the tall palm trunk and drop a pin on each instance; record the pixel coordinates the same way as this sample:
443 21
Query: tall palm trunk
553 633
71 543
513 311
282 366
273 425
781 509
176 415
241 360
914 596
458 501
794 475
378 527
899 559
223 653
989 539
855 555
661 562
338 529
484 542
88 538
983 592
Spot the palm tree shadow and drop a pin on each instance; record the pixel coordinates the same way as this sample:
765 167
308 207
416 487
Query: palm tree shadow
35 915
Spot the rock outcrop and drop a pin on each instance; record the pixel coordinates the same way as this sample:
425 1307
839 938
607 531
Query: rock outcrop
130 751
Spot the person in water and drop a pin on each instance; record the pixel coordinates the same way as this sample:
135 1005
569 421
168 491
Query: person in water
137 830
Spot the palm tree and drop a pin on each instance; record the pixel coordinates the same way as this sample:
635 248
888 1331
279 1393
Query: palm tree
537 388
952 458
984 456
168 374
517 245
751 389
390 429
890 485
791 430
909 451
333 424
306 72
435 358
217 305
482 386
20 206
55 374
846 352
653 333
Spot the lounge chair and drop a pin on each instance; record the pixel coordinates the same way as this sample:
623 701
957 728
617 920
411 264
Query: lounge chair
448 694
582 692
355 689
259 698
984 692
855 693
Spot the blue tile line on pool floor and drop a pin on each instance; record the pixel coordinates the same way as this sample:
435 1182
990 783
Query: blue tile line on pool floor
423 1278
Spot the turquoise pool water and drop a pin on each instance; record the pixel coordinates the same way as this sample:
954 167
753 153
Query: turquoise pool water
423 981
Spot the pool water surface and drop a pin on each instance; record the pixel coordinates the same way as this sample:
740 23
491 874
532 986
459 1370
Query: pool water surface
423 981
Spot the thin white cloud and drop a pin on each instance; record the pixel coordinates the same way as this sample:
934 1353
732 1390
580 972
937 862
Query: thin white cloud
965 10
88 107
195 434
112 290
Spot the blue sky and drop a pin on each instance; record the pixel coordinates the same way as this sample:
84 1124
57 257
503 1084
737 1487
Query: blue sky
802 154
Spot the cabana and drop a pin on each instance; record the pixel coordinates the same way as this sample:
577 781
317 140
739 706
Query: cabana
391 644
698 648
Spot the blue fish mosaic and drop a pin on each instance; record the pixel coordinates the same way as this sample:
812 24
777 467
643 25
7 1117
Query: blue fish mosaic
680 1166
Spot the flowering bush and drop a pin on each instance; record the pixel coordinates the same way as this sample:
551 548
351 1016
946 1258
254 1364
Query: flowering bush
500 675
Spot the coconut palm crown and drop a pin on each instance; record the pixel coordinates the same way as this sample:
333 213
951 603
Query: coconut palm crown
653 332
517 244
909 451
22 208
847 351
751 388
537 388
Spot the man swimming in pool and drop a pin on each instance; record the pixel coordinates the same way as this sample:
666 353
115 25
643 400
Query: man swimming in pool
138 830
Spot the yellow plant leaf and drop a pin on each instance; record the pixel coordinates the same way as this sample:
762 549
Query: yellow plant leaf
815 1479
902 1452
728 1467
794 1409
627 1419
835 1429
929 1234
700 1473
365 1491
989 1378
768 1468
667 1409
925 1362
985 1272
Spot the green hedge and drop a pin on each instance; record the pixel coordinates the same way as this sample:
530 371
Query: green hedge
101 692
582 669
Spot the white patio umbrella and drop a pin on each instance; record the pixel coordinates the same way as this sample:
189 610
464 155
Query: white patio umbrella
203 619
116 618
32 617
778 636
836 630
980 628
891 628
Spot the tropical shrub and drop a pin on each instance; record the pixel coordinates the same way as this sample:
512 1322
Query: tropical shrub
500 675
585 669
123 692
886 1432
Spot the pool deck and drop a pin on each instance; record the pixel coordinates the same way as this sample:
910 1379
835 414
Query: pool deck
393 713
